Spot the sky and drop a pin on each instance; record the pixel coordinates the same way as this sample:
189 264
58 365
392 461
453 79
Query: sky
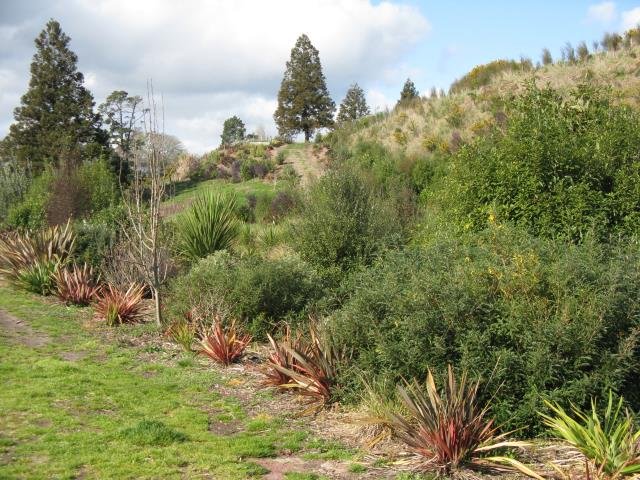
212 59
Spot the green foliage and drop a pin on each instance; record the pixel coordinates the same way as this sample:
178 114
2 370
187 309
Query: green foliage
14 183
354 105
304 103
30 259
30 211
610 440
345 222
551 318
38 277
120 112
233 131
562 167
482 75
408 94
56 113
261 293
152 433
209 225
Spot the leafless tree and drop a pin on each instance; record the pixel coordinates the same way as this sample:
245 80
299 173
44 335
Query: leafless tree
143 199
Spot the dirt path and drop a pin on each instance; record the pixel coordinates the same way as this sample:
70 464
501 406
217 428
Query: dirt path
308 164
18 331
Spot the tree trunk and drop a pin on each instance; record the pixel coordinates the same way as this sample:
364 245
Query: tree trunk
307 135
156 302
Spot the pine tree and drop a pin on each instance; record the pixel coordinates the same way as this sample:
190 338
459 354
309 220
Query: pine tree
233 131
354 105
304 104
408 93
56 117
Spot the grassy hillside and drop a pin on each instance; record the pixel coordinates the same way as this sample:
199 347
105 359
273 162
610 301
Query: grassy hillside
441 124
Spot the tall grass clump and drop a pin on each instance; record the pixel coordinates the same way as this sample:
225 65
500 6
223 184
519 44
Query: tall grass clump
30 259
209 225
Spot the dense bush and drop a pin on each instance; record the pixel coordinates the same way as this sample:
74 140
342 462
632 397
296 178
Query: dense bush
345 222
262 293
57 195
14 182
30 211
554 320
562 167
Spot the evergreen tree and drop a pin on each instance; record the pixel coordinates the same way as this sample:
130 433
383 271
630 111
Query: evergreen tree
233 131
547 59
408 93
56 117
121 112
304 104
354 105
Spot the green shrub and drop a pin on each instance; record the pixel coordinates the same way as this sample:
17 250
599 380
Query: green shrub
30 212
552 319
262 293
345 222
562 167
101 183
209 225
14 183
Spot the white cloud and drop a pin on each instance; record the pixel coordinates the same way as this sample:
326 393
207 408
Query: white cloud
378 101
214 58
604 12
630 18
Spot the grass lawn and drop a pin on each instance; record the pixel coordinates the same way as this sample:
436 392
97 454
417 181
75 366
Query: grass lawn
92 402
186 191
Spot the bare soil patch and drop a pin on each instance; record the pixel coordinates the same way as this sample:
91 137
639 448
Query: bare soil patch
18 331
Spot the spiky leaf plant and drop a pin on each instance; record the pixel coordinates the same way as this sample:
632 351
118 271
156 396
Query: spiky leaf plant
77 285
450 428
610 441
209 225
223 345
313 367
281 358
29 259
117 307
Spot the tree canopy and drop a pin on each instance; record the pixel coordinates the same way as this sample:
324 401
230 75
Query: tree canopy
304 104
233 131
408 93
354 105
55 119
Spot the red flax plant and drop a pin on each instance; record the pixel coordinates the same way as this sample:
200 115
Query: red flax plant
311 366
117 307
450 428
77 285
223 345
281 357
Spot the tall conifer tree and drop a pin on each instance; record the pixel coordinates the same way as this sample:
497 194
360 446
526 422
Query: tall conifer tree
354 105
304 104
408 93
56 118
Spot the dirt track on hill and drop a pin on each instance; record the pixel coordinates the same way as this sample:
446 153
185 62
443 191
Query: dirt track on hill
308 164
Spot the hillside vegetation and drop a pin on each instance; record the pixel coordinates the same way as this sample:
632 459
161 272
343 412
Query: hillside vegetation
455 274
